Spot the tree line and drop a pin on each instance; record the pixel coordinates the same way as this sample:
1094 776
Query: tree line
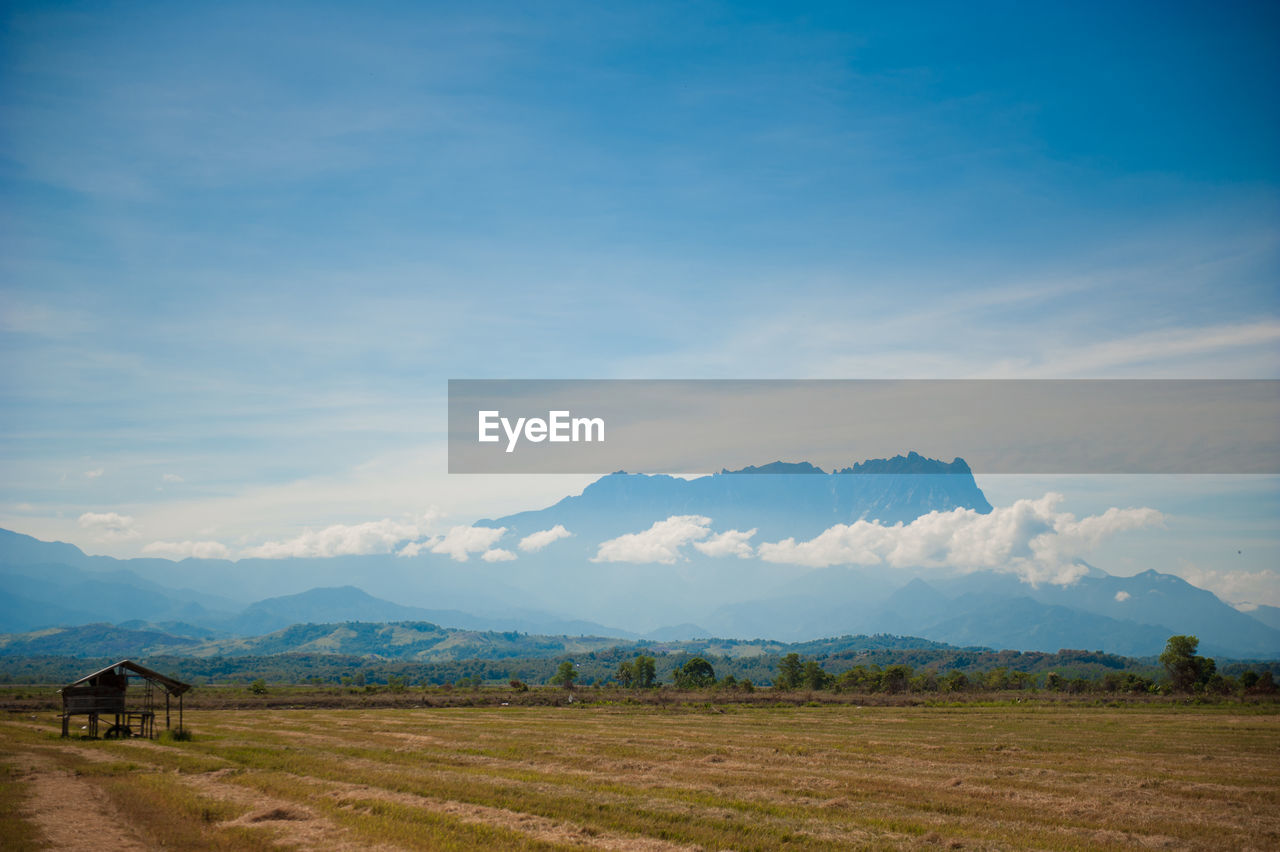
1185 671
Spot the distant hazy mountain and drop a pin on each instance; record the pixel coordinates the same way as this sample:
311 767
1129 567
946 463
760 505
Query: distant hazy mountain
562 590
1172 603
1268 615
778 499
1023 624
42 591
348 603
678 632
319 606
999 611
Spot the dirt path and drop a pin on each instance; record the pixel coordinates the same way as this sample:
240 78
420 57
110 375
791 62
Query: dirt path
72 814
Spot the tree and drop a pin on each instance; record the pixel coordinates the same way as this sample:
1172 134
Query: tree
860 679
1186 670
645 670
258 687
956 681
565 675
814 676
626 674
895 678
694 674
790 672
640 673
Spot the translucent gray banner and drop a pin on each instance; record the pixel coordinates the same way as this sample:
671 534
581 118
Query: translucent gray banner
997 426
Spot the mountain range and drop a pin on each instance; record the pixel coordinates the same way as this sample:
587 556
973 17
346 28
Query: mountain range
565 589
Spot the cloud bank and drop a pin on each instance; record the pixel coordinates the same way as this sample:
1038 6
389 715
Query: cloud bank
1029 538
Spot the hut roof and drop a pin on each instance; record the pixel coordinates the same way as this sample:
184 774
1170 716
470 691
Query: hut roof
174 687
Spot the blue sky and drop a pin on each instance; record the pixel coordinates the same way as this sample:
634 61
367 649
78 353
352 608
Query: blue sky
243 249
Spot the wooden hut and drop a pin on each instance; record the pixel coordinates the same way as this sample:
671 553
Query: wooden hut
106 693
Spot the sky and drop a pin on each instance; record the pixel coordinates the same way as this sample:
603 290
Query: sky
243 249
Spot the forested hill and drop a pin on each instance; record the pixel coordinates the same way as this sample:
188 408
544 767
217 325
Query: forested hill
406 640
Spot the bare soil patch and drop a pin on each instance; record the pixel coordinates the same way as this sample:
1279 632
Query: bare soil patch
71 813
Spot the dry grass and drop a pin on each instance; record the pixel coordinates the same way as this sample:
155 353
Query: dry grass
1043 777
18 830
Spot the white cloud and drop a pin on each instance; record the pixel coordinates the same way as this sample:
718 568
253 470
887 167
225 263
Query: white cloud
729 543
189 549
857 544
108 526
93 474
1122 596
534 542
413 548
339 540
660 543
459 542
497 555
1236 586
171 477
1029 538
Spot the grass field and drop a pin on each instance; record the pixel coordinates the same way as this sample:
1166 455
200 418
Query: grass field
836 777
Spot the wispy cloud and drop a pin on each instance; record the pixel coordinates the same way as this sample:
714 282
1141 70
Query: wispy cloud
93 474
1154 350
339 540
